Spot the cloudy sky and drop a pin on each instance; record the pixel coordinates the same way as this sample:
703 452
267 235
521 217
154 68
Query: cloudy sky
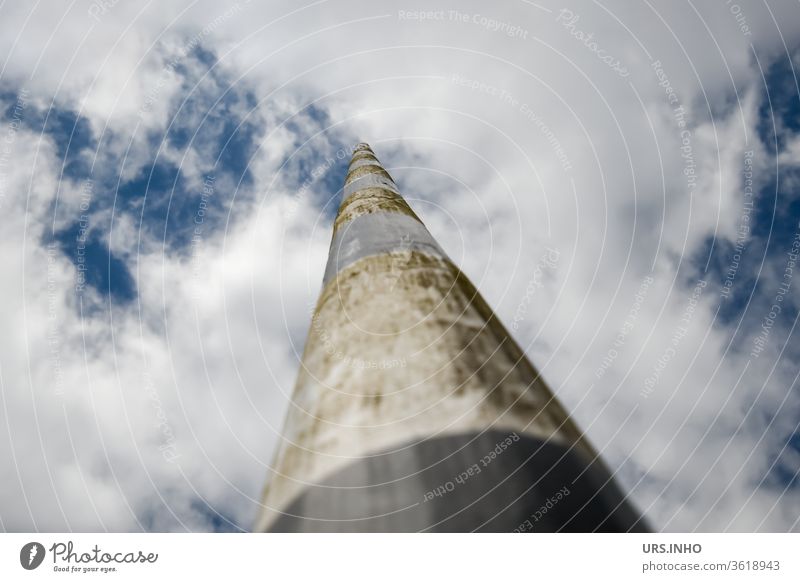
619 179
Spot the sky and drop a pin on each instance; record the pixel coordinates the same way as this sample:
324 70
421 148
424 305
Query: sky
620 180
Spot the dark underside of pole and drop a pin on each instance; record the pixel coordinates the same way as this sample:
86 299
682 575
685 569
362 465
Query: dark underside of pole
491 482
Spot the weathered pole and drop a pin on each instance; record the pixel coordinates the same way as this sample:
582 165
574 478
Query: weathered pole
414 409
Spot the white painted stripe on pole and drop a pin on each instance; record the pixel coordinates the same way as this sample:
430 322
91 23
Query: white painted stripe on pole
378 233
369 181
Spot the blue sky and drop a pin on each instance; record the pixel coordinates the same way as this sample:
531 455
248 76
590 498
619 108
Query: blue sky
153 398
